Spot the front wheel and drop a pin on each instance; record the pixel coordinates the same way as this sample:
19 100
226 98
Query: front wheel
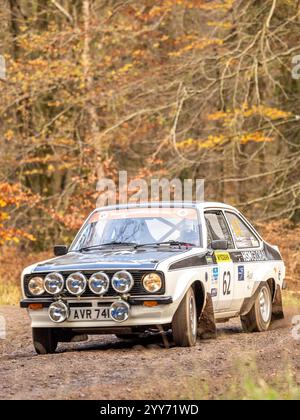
45 340
184 325
259 318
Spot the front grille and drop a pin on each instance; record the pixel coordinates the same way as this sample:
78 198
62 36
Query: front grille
137 290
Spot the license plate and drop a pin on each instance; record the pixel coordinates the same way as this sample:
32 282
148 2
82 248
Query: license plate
89 314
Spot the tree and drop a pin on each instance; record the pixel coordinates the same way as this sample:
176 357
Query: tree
171 88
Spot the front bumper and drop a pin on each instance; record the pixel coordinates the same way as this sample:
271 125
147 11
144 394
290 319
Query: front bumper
164 300
139 315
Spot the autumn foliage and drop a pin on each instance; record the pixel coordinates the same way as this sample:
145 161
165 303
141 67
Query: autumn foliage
12 198
188 89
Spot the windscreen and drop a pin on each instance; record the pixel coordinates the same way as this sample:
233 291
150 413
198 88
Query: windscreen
140 226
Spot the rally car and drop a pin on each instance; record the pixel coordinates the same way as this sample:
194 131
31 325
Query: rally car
169 267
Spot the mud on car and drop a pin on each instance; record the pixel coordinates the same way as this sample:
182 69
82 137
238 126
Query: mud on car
167 267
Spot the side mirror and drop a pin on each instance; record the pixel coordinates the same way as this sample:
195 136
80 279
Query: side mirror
219 244
60 250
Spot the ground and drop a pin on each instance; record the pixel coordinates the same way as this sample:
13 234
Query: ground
236 365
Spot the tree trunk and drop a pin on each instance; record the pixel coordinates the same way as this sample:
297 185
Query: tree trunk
14 24
93 132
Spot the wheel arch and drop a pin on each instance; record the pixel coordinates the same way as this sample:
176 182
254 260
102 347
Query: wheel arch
277 303
275 293
200 295
272 284
205 311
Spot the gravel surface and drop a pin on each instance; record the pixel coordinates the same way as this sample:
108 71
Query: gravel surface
109 368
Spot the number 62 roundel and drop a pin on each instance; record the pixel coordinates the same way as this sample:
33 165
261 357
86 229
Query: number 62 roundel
226 283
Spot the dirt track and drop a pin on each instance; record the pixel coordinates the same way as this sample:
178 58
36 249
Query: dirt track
108 368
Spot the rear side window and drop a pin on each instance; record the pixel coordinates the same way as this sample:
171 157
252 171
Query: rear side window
243 236
217 228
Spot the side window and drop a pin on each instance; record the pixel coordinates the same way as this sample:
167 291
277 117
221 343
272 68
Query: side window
243 236
217 228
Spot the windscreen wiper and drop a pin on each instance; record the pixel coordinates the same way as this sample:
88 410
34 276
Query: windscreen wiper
170 243
113 243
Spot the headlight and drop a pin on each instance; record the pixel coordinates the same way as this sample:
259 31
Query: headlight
122 282
99 283
76 284
36 286
119 311
152 283
58 312
54 283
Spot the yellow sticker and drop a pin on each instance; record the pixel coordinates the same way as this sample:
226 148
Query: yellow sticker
222 257
236 227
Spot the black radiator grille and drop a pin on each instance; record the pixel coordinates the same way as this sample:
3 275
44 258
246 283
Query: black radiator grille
137 289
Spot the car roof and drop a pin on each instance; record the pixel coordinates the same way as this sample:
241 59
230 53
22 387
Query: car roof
186 204
215 204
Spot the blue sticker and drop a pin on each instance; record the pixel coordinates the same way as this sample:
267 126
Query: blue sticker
214 292
215 274
241 273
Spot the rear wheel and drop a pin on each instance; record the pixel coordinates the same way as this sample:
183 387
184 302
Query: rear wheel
184 325
44 340
259 318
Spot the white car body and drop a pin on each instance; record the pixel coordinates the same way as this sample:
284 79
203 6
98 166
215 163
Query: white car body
229 278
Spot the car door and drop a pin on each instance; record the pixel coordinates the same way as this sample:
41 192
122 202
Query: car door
247 246
223 281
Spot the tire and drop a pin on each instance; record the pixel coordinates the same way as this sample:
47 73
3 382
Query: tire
260 316
44 340
184 325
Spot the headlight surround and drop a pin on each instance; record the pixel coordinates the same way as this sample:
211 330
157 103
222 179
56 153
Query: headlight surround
36 286
58 312
152 282
76 284
122 282
54 283
99 283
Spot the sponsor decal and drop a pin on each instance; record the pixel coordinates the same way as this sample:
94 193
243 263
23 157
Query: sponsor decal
249 256
209 259
215 275
237 257
214 292
250 275
241 273
223 257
